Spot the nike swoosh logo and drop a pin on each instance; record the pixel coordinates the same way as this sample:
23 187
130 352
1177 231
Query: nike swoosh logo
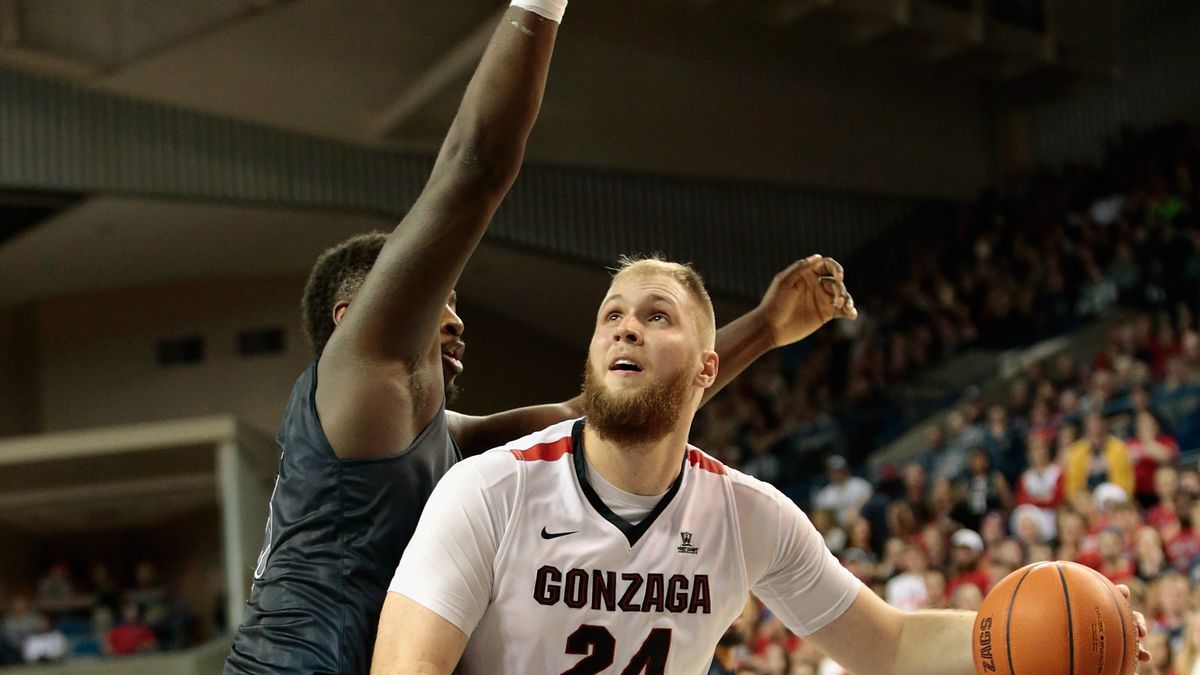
555 535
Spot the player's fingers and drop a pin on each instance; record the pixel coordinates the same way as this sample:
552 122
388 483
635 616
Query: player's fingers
832 268
850 311
1124 591
791 275
836 290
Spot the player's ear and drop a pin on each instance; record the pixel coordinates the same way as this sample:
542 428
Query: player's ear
339 311
708 369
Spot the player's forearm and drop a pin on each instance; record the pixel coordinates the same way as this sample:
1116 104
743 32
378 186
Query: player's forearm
486 141
739 343
935 641
477 164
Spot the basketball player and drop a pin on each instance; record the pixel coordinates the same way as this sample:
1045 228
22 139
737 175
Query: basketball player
607 544
353 478
364 436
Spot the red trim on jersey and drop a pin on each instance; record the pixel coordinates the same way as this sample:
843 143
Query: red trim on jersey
697 458
546 452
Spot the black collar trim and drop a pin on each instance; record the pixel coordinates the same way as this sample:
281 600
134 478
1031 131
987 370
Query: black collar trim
632 532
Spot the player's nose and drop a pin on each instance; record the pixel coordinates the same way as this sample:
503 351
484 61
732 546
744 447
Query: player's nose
452 323
628 331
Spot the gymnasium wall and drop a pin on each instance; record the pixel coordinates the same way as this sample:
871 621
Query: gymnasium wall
92 360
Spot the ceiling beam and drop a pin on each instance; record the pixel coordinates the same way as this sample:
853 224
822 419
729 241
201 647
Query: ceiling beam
443 73
14 54
791 11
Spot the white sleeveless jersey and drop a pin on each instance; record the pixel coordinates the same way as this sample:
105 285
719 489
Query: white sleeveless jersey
517 550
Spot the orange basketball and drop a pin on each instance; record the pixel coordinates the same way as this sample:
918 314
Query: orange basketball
1055 619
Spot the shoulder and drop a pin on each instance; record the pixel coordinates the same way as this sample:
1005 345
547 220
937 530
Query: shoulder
549 445
503 463
750 492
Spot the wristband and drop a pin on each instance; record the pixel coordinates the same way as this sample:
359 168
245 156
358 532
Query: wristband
547 9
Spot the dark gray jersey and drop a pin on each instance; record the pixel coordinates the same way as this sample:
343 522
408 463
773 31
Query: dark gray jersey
334 535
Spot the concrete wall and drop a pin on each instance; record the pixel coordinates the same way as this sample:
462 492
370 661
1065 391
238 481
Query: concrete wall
90 360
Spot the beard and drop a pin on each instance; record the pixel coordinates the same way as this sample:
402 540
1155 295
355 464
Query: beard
638 417
452 389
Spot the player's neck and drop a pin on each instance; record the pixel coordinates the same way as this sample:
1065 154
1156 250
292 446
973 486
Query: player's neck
644 469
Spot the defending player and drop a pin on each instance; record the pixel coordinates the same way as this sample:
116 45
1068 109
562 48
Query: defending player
364 436
609 543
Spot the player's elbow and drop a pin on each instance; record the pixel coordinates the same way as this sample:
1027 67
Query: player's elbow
481 160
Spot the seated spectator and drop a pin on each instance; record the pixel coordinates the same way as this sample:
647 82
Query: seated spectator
1187 657
1099 457
104 589
1149 560
935 590
845 494
1042 484
825 520
965 562
47 644
1158 643
1109 558
984 490
55 589
1073 539
1150 449
1183 546
1032 525
907 591
1173 601
966 597
19 623
1166 488
131 635
1002 443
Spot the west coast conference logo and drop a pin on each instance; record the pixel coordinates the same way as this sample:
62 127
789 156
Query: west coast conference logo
686 546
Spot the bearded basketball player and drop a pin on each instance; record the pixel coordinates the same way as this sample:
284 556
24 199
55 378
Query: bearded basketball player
610 543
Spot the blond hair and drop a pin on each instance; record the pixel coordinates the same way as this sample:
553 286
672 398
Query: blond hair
686 276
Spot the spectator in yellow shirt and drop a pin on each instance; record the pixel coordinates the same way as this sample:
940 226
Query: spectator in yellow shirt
1098 457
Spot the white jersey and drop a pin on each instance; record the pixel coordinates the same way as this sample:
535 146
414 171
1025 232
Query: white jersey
517 550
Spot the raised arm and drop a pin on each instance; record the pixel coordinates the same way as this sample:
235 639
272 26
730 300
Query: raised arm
380 379
801 299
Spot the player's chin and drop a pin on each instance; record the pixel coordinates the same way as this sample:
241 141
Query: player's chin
452 388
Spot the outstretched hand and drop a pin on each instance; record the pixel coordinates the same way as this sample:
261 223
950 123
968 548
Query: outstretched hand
804 297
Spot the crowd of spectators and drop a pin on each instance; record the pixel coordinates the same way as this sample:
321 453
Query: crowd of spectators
60 621
1081 459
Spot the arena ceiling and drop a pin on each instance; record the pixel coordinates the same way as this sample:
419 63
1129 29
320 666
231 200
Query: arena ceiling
389 74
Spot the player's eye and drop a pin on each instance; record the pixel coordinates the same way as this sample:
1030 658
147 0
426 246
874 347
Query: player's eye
613 316
659 317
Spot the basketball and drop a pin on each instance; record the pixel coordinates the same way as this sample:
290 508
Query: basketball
1055 619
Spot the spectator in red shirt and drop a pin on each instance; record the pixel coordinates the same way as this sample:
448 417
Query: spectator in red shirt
1113 562
1184 547
1071 536
965 562
1166 488
131 635
1042 483
1149 558
1149 449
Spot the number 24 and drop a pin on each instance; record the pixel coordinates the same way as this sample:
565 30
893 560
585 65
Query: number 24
599 647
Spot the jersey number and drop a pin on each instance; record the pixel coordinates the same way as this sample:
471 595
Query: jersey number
599 648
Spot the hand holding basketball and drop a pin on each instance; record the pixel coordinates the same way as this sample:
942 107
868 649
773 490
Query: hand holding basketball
1057 619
